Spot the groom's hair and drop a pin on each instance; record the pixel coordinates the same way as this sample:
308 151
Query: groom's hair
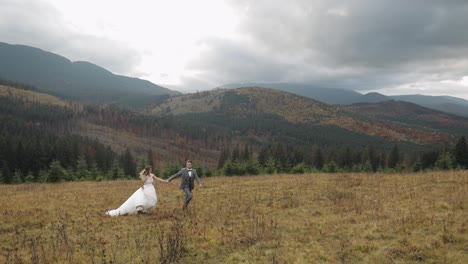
189 161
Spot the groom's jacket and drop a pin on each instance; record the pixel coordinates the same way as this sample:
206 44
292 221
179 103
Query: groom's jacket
186 180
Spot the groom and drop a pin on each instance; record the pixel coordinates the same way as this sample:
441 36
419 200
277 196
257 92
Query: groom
189 175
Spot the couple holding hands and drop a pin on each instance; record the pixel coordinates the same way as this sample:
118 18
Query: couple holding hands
145 198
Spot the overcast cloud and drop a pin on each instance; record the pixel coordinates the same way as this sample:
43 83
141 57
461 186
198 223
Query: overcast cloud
395 47
37 23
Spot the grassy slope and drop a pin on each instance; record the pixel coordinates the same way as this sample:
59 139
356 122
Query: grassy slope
349 218
168 148
298 110
31 96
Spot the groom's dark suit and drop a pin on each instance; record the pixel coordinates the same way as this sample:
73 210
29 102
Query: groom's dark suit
187 182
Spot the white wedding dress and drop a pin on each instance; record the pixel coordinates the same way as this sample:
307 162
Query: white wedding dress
142 200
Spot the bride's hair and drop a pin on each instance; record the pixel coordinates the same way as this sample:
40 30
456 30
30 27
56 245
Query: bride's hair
145 172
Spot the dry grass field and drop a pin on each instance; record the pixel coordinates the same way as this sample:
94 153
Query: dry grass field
314 218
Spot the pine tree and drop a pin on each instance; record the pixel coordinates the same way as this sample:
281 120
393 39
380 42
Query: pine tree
29 178
270 165
18 177
263 156
6 173
252 166
228 168
461 153
246 153
56 172
445 161
19 157
280 157
367 167
115 171
128 164
318 159
150 159
94 171
371 155
330 167
393 158
236 154
346 160
299 168
223 157
82 172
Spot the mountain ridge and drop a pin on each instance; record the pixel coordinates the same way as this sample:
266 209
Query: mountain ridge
248 101
79 80
337 96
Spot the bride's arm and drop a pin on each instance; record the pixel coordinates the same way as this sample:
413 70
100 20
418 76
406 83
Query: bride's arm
157 178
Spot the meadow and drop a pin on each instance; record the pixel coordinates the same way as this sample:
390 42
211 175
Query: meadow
310 218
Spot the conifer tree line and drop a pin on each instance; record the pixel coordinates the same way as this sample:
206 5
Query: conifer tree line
242 160
38 144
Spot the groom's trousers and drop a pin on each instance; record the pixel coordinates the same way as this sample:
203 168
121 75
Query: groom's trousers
188 196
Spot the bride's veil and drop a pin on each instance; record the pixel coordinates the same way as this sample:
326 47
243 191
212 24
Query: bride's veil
142 175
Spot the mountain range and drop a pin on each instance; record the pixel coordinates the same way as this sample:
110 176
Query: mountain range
389 120
337 96
203 123
79 80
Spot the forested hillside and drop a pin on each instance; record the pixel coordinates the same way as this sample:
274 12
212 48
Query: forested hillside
245 131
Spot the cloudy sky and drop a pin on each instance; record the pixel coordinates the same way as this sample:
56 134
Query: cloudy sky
389 46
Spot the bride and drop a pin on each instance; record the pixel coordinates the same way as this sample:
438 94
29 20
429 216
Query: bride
143 199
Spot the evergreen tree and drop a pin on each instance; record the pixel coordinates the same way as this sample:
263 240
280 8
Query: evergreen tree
142 164
297 156
238 167
115 171
29 178
128 164
330 167
82 172
228 168
318 159
270 165
279 155
56 172
263 155
151 160
252 166
346 159
445 161
223 157
461 153
236 154
43 176
6 173
246 153
20 157
428 159
367 167
393 158
17 177
94 171
9 156
299 168
371 155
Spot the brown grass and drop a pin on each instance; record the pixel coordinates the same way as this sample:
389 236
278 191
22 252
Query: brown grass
31 96
346 218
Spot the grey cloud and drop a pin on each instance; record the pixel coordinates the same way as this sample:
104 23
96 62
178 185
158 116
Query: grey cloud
38 24
358 44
